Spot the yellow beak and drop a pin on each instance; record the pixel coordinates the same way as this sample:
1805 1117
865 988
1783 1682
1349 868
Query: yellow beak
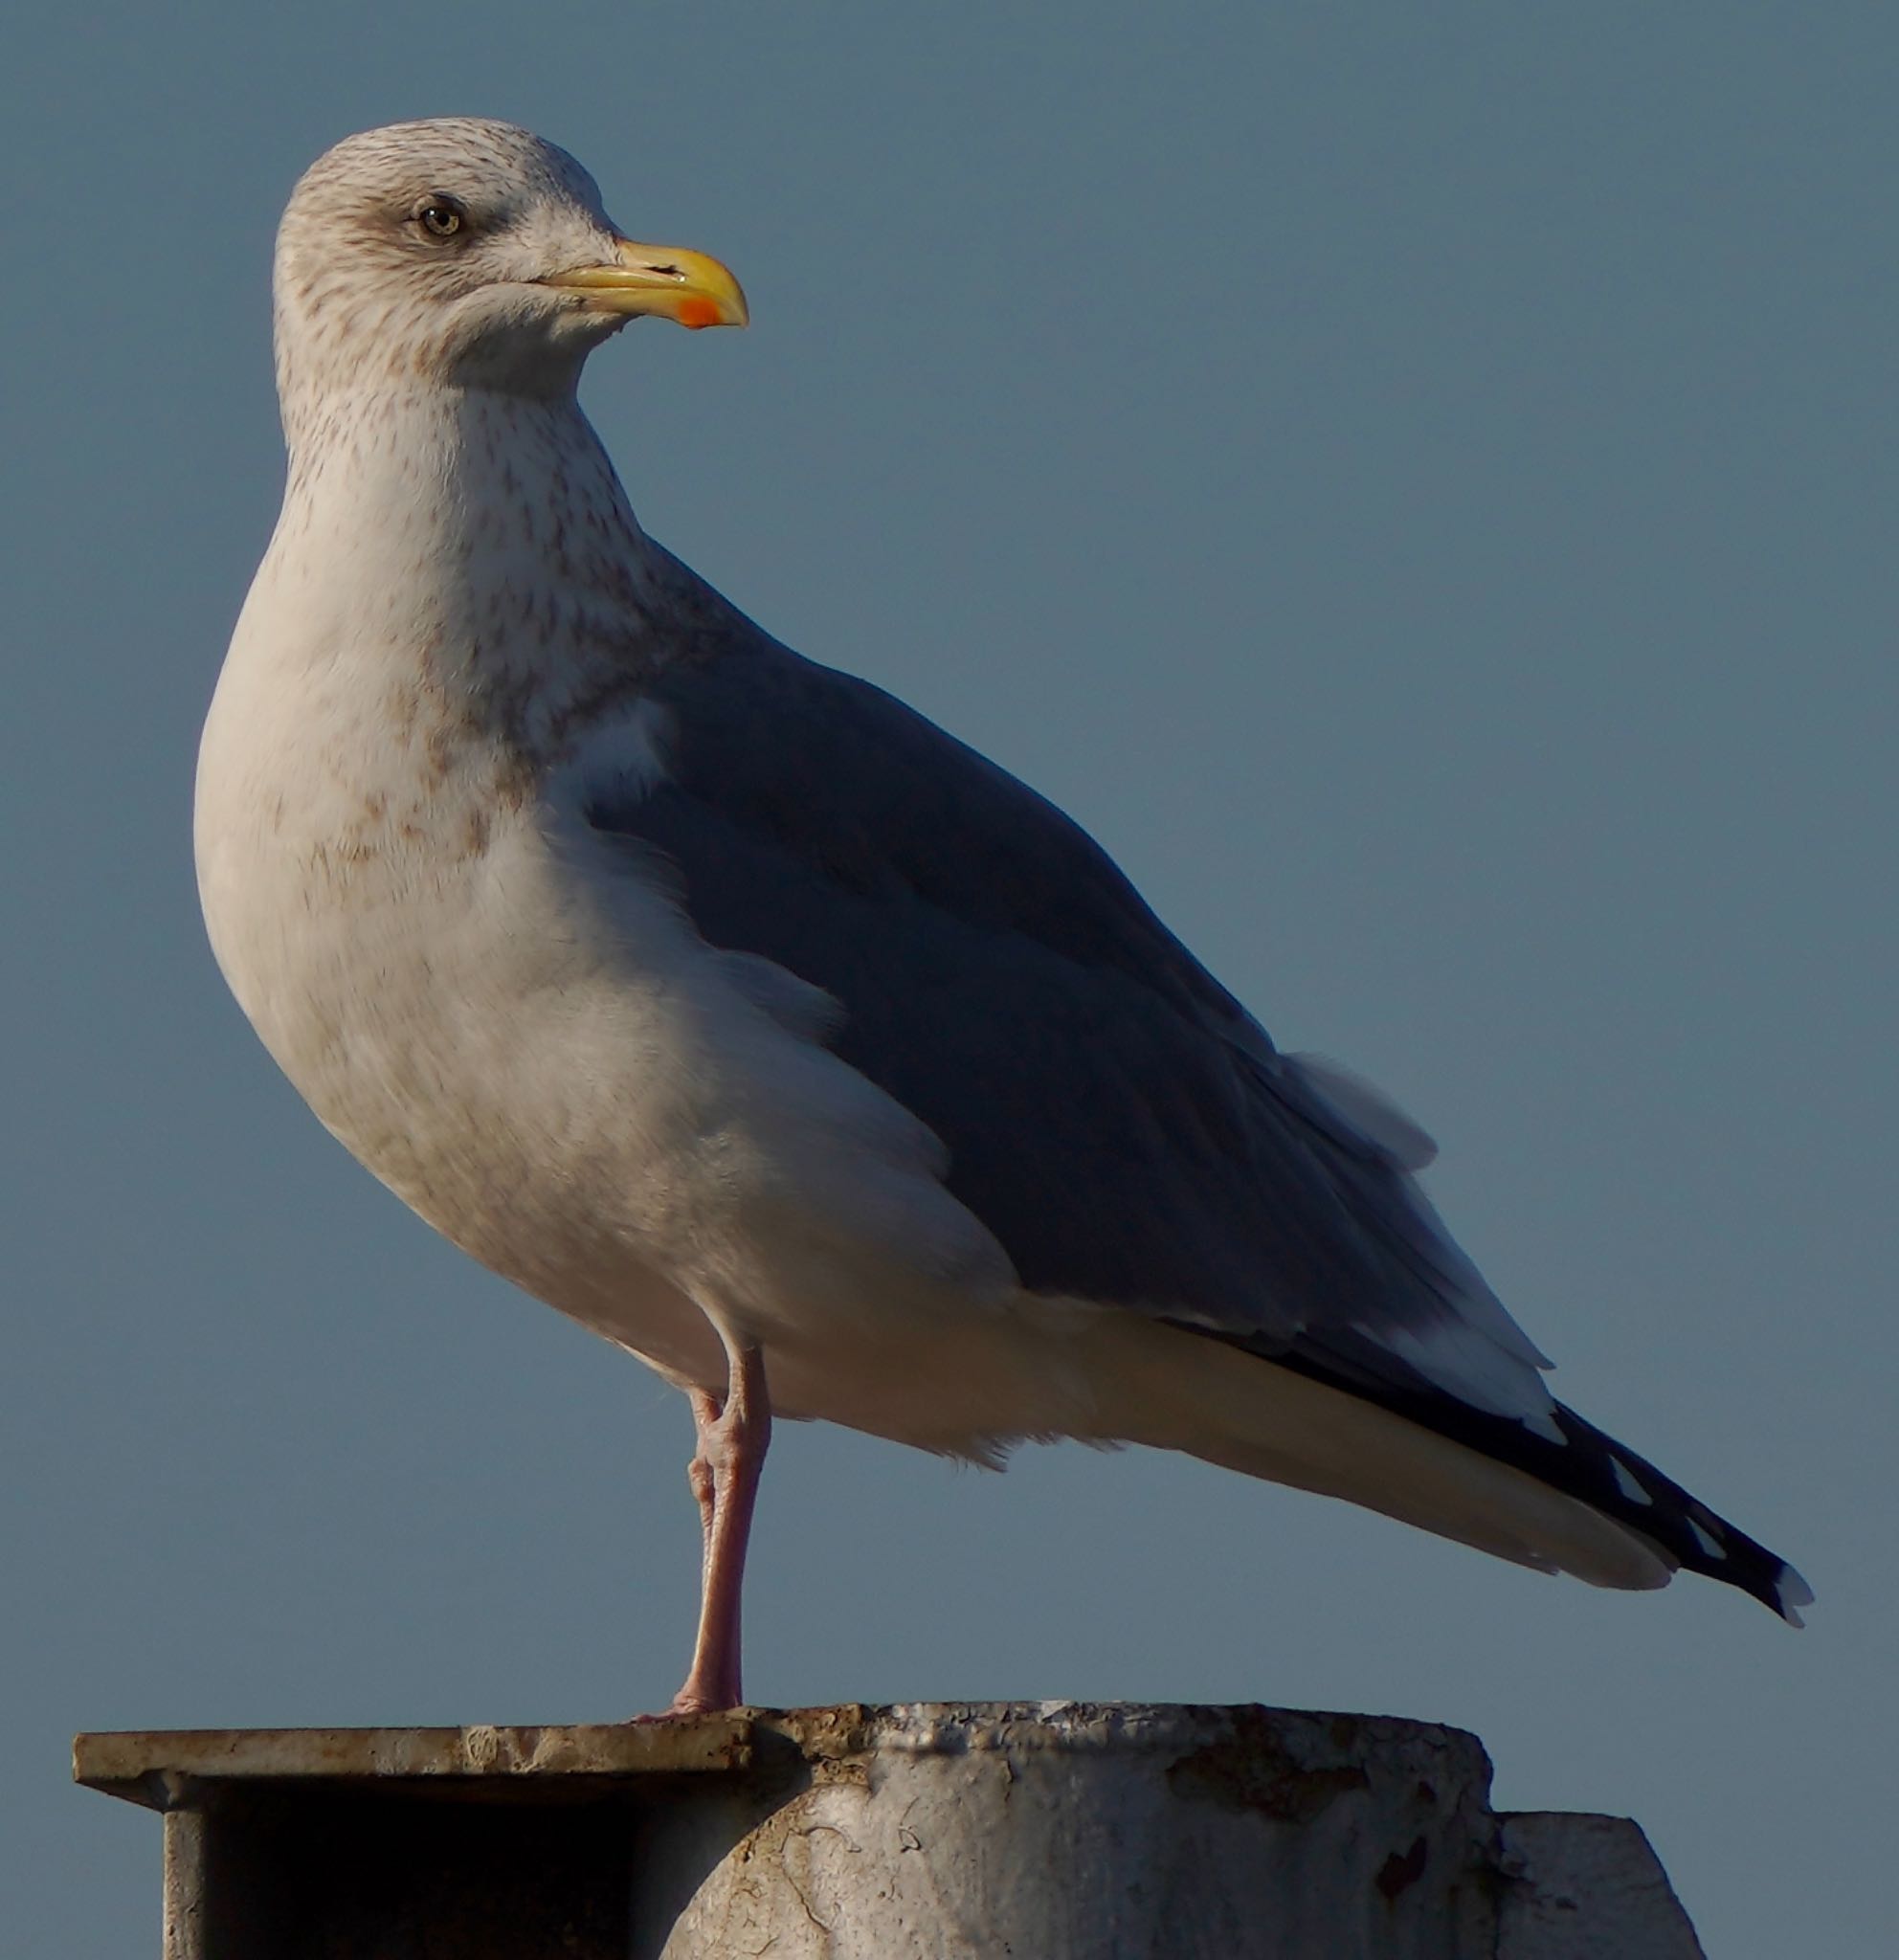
680 285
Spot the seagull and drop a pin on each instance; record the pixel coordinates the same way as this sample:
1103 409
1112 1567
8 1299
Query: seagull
728 1006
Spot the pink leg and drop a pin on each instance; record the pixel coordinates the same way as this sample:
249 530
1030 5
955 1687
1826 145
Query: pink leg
699 1472
732 1440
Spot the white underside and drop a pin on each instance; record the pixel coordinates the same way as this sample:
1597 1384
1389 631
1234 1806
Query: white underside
1043 1369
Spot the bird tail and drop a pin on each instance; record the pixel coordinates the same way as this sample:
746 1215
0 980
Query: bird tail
1175 1389
1572 1500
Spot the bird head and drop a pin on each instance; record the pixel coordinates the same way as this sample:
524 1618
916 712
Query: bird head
471 254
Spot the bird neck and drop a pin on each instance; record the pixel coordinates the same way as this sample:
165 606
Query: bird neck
489 530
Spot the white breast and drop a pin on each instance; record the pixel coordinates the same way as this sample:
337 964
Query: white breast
507 1023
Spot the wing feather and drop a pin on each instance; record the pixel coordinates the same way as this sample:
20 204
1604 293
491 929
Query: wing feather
1111 1114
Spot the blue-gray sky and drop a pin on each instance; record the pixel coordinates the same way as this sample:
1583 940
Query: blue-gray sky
1415 481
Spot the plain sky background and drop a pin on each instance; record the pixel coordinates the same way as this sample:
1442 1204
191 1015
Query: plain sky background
1416 480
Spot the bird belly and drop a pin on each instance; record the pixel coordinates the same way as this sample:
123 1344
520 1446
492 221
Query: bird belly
544 1063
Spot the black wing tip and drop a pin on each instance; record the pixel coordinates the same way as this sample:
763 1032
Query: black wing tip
1582 1462
1641 1498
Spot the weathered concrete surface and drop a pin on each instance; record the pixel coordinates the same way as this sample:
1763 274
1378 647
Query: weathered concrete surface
1582 1887
1097 1831
943 1831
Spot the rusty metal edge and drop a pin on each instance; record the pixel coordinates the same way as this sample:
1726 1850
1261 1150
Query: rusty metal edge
154 1766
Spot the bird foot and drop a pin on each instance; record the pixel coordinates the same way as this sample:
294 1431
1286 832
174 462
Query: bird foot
693 1700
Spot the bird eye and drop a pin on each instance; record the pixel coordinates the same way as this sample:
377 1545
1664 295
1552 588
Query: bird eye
441 217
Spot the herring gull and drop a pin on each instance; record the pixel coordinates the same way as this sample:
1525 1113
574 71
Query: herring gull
734 1009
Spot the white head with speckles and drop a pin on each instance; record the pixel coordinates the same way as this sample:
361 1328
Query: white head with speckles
464 254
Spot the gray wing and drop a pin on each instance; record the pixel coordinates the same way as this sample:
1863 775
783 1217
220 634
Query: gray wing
1115 1119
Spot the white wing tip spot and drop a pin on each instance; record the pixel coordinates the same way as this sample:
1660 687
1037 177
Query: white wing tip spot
1627 1483
1791 1593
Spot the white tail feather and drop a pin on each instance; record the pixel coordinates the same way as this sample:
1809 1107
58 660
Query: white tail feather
1178 1390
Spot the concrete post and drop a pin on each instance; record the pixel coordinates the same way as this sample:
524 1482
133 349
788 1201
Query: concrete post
934 1832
